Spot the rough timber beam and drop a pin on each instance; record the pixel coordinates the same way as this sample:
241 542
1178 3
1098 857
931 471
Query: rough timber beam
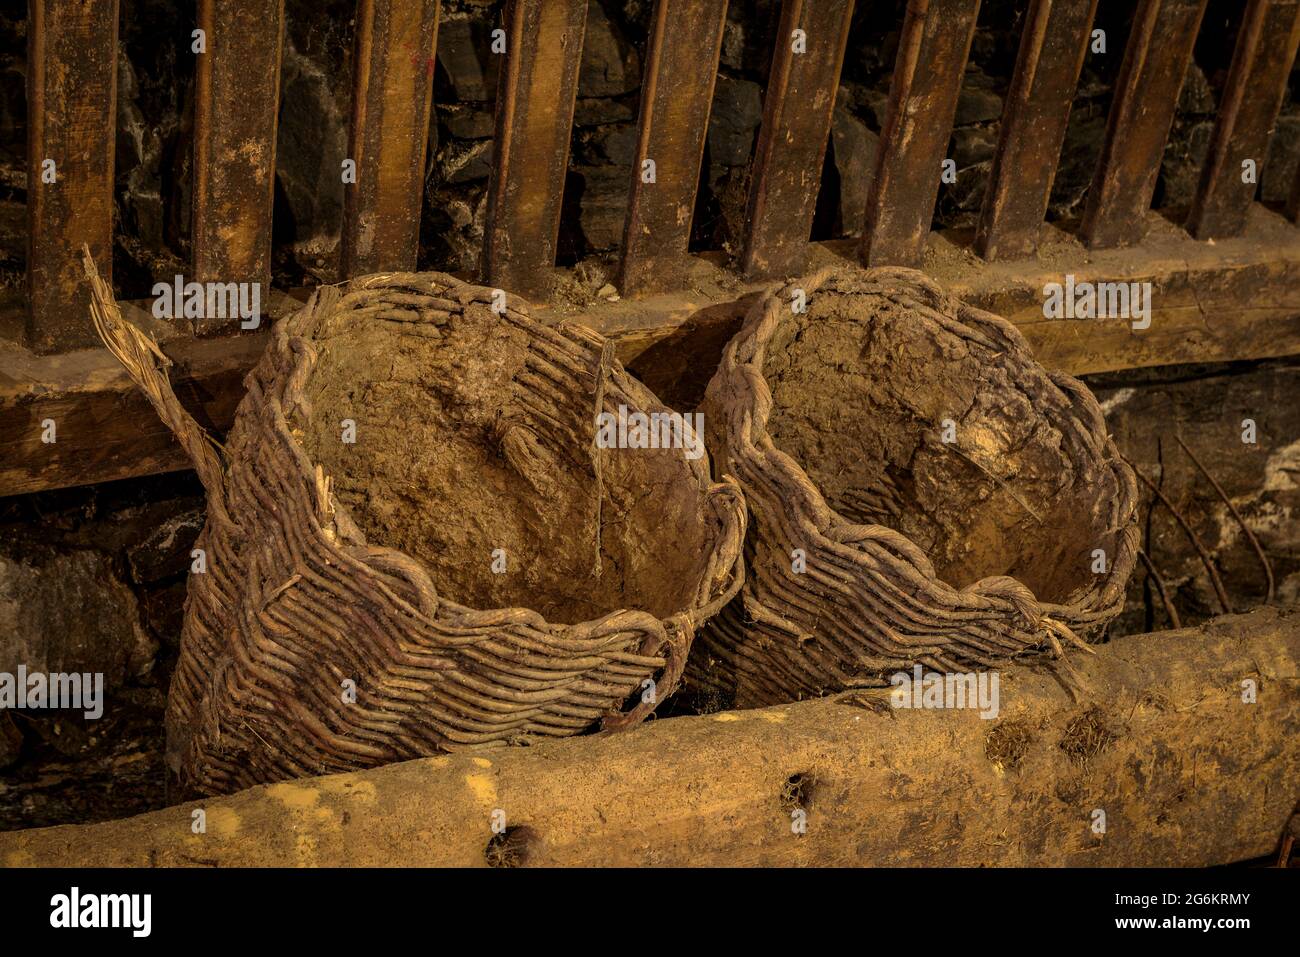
1236 299
1187 773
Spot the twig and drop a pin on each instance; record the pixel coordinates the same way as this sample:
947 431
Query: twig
1263 558
1006 487
1191 535
602 374
1160 587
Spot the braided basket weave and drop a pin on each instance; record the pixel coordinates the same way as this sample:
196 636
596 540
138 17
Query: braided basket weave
890 578
295 601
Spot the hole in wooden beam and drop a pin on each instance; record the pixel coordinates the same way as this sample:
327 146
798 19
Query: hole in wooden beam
511 848
797 792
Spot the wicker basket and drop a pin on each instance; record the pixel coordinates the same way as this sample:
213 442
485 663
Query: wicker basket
297 609
935 472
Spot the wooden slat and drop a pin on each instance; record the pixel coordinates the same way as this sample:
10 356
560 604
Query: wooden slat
676 95
1141 114
236 103
797 107
71 109
392 95
1052 50
1257 79
534 121
932 55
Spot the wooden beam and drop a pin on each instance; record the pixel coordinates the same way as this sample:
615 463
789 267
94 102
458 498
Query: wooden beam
1256 85
534 123
676 96
392 96
797 107
71 128
1231 305
1052 50
927 78
237 100
1238 299
1141 114
104 428
1159 740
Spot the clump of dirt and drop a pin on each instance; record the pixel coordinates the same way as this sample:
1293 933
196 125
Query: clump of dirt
1006 744
915 424
1086 736
581 287
470 459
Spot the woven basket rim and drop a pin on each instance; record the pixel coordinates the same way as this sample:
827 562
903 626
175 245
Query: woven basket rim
827 528
721 497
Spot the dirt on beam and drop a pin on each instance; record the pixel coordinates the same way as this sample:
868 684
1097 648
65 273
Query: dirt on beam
1160 742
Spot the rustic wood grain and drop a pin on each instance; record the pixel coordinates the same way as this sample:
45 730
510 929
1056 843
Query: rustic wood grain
1188 777
676 96
72 120
797 108
534 122
1237 299
237 99
1141 113
1253 94
105 427
932 55
1053 47
392 96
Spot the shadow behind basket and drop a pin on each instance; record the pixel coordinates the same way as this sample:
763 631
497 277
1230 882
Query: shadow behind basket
920 490
308 648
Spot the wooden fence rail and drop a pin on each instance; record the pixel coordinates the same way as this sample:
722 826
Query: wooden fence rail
537 47
537 50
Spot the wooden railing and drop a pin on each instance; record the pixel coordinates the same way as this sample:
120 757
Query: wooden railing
72 131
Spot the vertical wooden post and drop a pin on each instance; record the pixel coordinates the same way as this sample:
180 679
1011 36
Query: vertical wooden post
676 96
932 55
1257 78
392 96
1052 51
797 110
534 122
237 99
1141 114
71 126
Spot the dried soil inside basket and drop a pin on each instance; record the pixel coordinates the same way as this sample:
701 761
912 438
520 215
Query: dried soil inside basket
429 475
861 389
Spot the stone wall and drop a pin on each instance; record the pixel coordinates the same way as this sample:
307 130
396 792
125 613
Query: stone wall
92 580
